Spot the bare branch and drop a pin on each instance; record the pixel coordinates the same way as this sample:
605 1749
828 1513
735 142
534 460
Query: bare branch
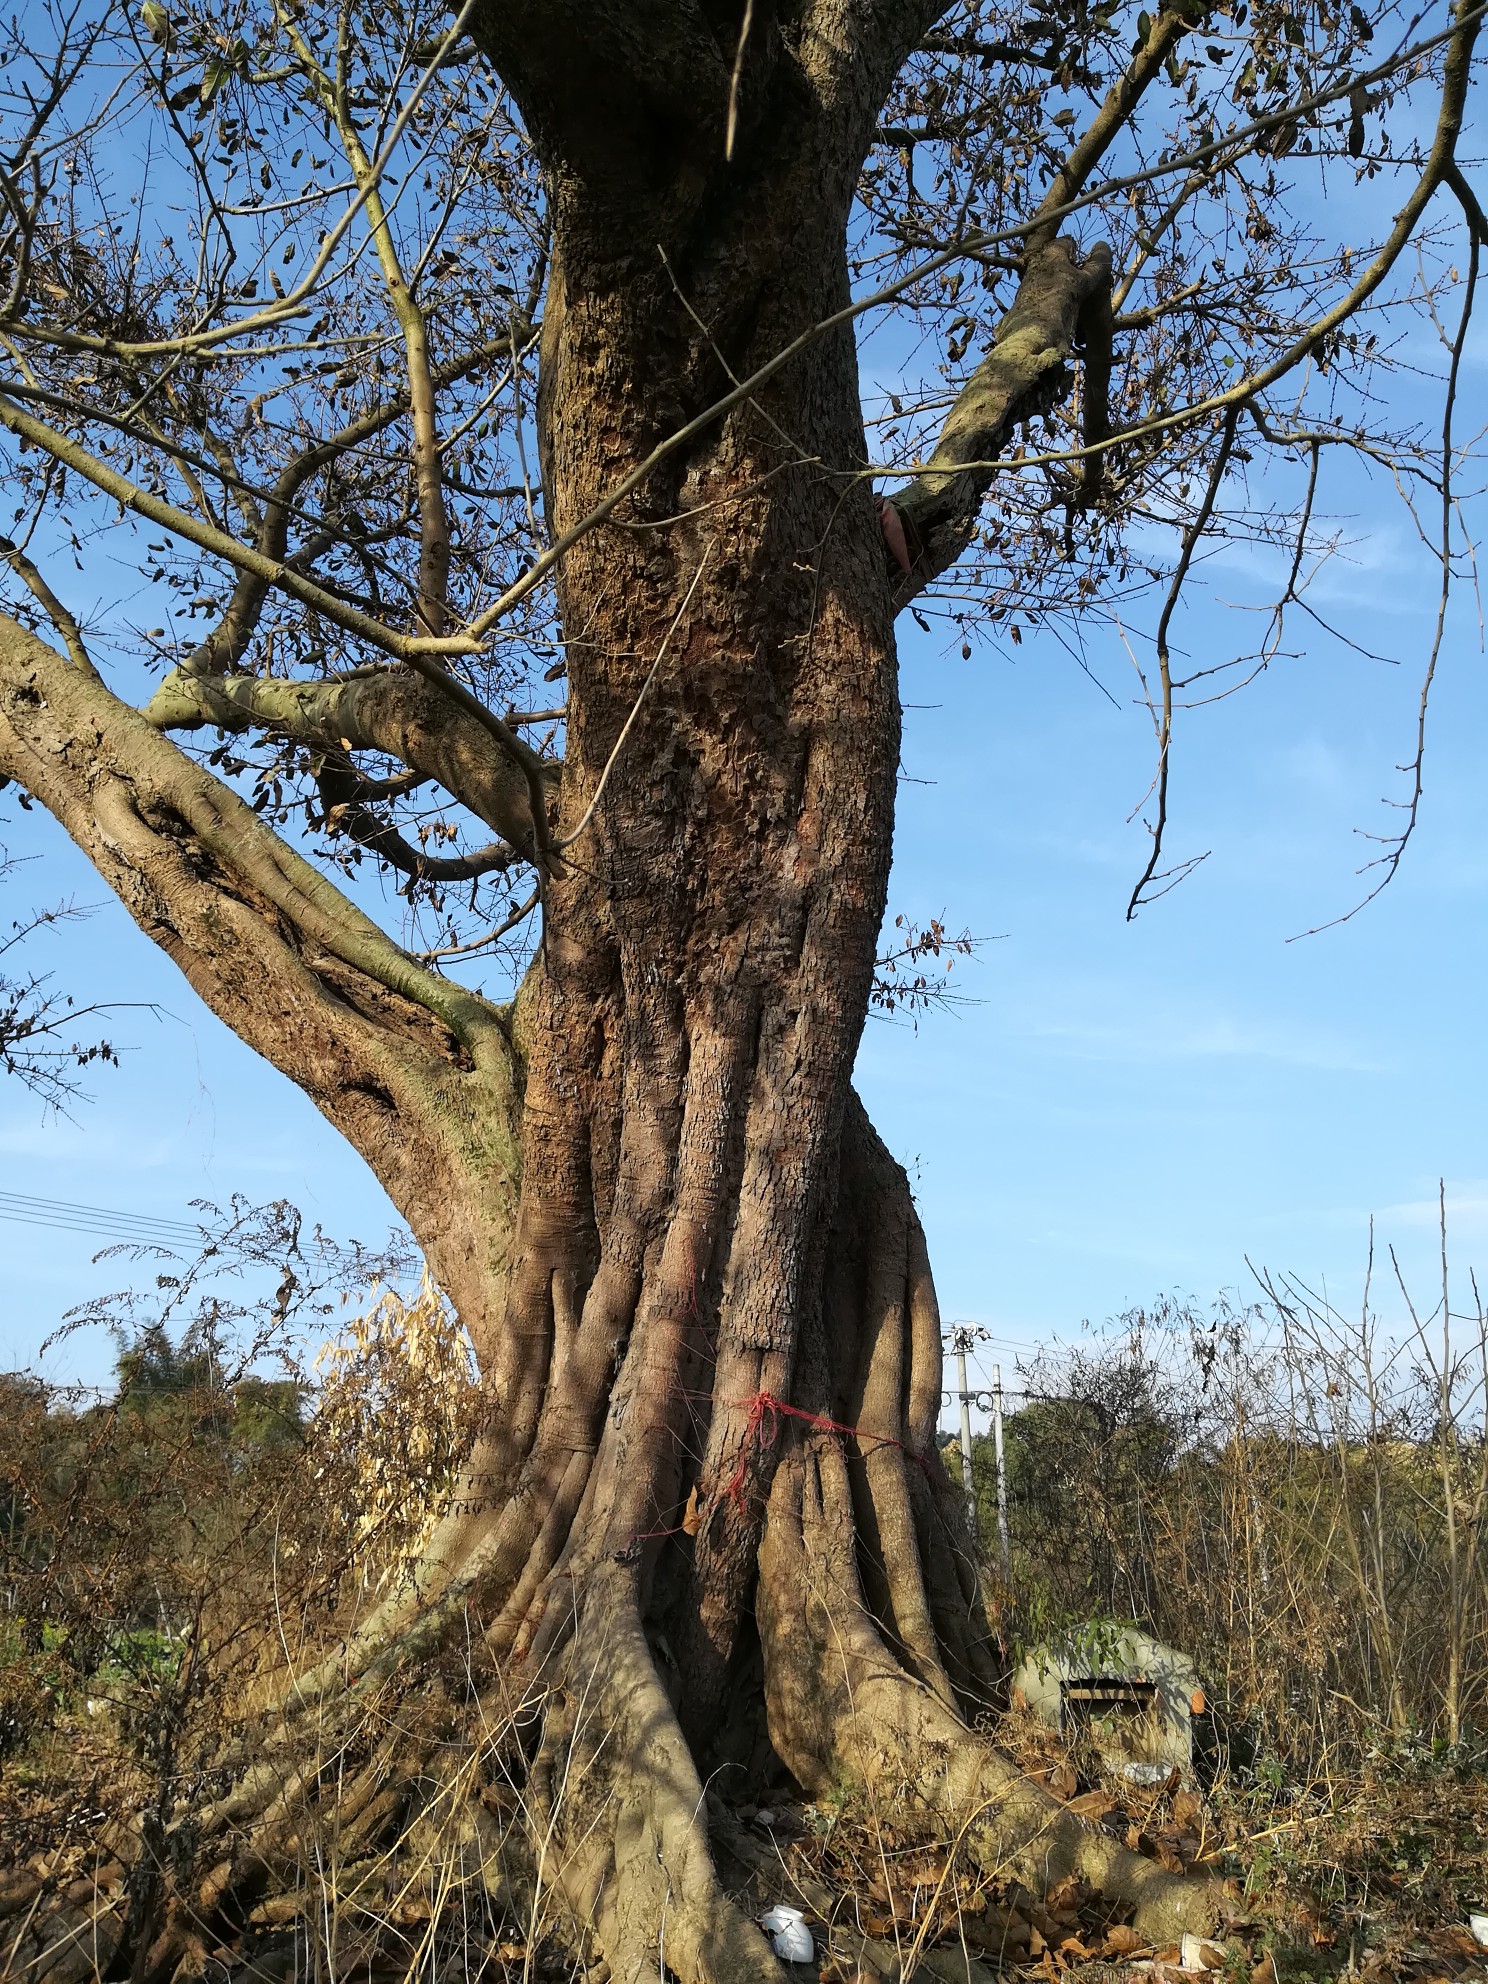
1022 375
1395 845
298 301
434 528
388 711
1461 36
249 559
1165 32
29 574
1163 717
347 812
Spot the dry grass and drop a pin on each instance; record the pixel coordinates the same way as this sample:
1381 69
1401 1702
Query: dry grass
1364 1886
173 1555
1297 1498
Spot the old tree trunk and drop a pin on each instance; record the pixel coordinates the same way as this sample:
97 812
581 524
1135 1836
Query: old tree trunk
705 1513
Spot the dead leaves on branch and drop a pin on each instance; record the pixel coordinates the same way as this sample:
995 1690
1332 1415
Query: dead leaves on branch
395 1419
913 972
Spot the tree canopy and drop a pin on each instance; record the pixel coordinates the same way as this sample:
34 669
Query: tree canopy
473 409
275 281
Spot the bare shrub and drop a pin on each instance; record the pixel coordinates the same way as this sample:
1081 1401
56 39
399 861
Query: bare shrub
1295 1495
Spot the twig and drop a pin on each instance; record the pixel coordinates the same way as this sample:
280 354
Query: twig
1191 536
635 708
1390 860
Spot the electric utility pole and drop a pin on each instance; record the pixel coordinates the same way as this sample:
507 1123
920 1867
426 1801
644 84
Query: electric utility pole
1001 1458
962 1338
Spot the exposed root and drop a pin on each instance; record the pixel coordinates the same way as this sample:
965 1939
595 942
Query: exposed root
841 1708
625 1824
69 1938
882 1354
499 1726
603 1834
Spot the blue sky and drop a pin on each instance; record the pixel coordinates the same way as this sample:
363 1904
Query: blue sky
1118 1109
1136 1107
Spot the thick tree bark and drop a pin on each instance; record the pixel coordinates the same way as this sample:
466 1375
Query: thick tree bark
416 1072
711 1298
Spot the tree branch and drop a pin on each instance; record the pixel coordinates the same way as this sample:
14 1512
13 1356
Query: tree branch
396 713
1059 299
421 654
247 559
1022 375
1468 200
1440 165
349 811
418 1072
975 243
1395 845
31 577
434 528
939 510
1096 327
970 47
127 751
1171 24
1162 718
226 645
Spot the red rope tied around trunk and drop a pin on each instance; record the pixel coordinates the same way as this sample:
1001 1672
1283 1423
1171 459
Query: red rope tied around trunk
763 1427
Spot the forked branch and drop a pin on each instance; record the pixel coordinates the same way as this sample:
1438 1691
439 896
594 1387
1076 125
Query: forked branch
1394 845
188 858
1022 375
434 525
389 711
1162 715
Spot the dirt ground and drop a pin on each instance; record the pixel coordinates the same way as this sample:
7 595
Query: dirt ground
1370 1878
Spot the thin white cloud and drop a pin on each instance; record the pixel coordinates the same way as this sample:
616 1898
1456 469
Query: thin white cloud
1217 1036
62 1144
1466 1205
1318 768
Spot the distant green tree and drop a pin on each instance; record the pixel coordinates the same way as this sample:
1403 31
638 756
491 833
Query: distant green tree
1096 1438
268 1414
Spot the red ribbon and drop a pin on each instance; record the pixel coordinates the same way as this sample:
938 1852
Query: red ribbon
763 1425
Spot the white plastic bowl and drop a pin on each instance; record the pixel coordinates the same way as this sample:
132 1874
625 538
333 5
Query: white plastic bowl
792 1940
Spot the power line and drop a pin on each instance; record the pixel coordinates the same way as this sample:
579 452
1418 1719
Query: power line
105 1222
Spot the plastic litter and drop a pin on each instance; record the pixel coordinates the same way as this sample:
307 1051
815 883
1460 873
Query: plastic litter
792 1940
1477 1921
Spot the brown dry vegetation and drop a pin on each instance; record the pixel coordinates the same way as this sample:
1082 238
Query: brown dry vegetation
418 360
174 1551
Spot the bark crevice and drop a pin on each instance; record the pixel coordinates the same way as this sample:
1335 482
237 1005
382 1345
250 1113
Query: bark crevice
709 1344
